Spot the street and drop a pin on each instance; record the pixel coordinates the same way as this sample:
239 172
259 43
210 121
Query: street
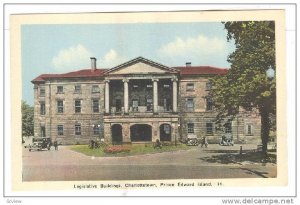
195 163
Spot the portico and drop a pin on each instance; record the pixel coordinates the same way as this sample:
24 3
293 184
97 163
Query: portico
140 95
141 101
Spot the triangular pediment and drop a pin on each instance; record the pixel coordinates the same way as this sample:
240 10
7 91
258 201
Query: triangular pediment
140 65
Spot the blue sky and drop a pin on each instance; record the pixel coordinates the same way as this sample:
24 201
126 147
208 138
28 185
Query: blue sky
65 48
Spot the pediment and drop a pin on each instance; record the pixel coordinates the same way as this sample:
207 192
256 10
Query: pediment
140 66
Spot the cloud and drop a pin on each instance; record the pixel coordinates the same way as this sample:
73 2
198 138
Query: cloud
200 50
198 46
72 58
111 58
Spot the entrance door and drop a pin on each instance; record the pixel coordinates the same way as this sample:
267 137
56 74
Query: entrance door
140 132
116 132
165 132
43 131
118 105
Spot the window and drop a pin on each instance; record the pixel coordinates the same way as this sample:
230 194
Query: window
209 128
95 89
209 103
60 89
42 108
209 85
149 104
60 130
190 128
249 130
247 106
96 129
190 104
190 87
135 105
77 106
42 92
43 131
77 129
95 105
77 89
227 127
60 106
167 129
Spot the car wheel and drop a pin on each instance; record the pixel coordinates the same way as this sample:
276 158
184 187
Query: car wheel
29 150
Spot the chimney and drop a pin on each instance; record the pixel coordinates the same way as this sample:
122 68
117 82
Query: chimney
188 64
93 64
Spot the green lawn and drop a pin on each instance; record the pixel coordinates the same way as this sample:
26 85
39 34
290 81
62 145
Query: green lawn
135 149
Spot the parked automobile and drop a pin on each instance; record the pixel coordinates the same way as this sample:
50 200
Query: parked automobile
192 140
227 140
40 143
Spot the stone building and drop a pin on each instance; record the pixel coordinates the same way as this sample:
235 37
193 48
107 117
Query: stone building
137 101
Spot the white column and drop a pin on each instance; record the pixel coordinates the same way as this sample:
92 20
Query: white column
125 95
174 94
155 95
107 96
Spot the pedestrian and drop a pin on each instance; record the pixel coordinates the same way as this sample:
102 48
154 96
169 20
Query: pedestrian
55 145
204 142
157 144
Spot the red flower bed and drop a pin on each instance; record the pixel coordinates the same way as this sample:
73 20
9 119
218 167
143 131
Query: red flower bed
116 149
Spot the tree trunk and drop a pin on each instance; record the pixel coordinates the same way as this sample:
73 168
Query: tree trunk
265 129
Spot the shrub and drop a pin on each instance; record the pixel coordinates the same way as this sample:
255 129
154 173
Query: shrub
167 143
116 149
94 144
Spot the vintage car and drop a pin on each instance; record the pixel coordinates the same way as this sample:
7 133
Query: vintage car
227 140
192 140
40 143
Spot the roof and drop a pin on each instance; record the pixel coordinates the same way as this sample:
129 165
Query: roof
144 60
183 70
85 73
201 70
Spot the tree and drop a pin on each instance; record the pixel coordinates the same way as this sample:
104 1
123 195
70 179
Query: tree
247 83
27 119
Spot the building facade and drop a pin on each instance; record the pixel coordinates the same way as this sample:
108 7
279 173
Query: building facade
137 101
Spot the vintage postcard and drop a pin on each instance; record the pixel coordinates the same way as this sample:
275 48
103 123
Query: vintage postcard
148 101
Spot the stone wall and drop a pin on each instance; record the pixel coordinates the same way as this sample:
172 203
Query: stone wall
86 118
200 116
